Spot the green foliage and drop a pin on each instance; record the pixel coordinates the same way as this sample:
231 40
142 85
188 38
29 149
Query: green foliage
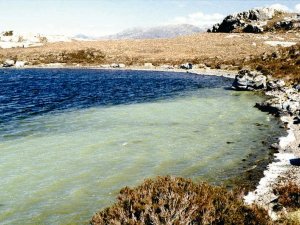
170 200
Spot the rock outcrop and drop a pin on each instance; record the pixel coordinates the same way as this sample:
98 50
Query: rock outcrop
186 66
283 99
20 64
8 63
288 23
258 21
249 80
275 84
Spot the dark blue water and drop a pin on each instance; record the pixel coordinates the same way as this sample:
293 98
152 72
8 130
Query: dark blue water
29 92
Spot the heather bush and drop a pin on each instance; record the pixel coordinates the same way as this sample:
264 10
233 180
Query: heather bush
288 195
283 63
83 56
170 200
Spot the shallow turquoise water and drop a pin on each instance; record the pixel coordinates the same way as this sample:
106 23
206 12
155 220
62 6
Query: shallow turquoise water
62 167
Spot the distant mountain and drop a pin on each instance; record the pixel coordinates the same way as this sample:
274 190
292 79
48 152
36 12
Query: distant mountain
82 36
168 31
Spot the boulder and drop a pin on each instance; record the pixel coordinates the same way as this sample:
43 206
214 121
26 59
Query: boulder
261 14
248 21
121 65
249 80
20 64
201 66
186 66
291 106
8 63
286 25
149 65
297 87
114 65
273 106
250 28
275 84
230 23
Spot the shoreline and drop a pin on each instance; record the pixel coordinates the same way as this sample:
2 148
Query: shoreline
279 171
198 71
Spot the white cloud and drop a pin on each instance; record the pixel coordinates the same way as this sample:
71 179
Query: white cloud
297 8
199 19
280 7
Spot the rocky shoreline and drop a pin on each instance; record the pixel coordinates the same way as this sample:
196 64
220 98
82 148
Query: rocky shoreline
284 102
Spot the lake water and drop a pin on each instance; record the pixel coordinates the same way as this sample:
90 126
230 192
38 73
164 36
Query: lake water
70 139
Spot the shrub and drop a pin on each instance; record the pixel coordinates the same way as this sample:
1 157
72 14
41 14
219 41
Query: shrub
86 56
289 195
170 200
282 64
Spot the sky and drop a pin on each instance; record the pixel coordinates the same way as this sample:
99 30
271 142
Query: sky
103 17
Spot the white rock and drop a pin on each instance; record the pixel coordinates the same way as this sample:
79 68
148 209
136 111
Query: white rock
148 65
20 64
114 65
8 63
280 43
293 107
285 141
186 66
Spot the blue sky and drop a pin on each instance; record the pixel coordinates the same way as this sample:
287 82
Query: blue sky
104 17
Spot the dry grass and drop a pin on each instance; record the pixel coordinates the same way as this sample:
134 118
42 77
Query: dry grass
169 200
293 218
85 57
282 63
198 48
